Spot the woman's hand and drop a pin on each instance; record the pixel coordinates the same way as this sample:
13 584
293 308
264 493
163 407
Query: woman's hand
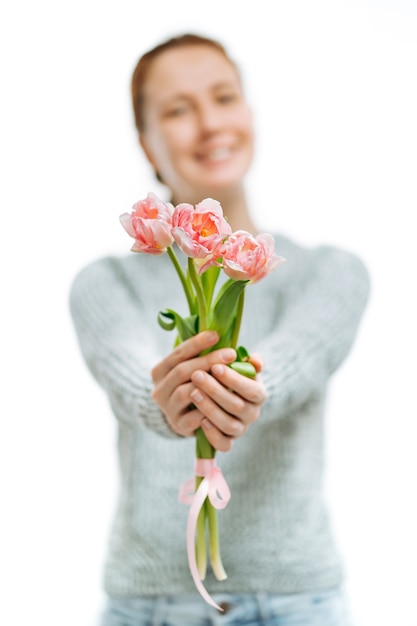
194 391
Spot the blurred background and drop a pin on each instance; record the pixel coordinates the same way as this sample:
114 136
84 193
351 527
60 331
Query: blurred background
333 87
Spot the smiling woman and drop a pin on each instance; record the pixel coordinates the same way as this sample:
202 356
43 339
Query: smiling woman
196 129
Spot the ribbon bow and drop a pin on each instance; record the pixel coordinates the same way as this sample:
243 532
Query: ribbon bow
213 486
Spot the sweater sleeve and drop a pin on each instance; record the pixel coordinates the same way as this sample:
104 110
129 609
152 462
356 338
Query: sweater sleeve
116 342
317 328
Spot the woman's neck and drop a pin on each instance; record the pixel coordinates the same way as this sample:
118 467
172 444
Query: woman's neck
236 210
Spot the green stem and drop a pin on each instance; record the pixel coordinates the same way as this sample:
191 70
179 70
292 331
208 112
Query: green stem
238 320
214 542
204 449
202 307
209 280
200 546
188 293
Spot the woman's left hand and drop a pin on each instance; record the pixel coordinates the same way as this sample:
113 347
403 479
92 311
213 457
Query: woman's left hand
229 402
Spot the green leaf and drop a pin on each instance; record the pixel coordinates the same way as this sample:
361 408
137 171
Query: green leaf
209 280
244 367
242 353
225 306
186 326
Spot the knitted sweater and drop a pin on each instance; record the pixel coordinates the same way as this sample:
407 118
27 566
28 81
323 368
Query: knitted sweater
275 534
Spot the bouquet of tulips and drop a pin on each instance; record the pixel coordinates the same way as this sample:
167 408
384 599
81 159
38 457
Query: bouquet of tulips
203 234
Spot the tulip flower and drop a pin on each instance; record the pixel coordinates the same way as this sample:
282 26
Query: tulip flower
149 224
200 231
246 257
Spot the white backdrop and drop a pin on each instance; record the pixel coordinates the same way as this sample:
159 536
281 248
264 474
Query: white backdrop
333 87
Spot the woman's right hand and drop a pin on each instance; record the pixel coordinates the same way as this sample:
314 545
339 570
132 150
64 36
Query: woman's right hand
172 380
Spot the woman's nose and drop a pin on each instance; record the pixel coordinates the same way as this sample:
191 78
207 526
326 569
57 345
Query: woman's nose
209 118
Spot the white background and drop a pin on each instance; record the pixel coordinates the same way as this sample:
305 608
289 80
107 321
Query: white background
333 87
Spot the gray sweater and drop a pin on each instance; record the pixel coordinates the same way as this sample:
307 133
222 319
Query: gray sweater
275 534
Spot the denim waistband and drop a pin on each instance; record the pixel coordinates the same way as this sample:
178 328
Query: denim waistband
321 608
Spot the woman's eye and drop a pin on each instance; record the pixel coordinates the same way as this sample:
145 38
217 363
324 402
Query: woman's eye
225 98
177 111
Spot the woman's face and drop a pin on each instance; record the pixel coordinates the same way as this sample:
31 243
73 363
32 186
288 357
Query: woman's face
198 127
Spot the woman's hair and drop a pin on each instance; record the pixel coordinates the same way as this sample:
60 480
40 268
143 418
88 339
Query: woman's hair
142 68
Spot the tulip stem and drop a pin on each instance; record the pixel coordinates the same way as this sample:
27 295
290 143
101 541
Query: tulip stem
188 292
204 450
214 542
200 546
201 299
238 320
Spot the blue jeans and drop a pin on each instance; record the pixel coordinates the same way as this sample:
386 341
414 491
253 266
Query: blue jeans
325 608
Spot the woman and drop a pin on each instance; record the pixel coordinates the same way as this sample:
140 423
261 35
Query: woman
196 130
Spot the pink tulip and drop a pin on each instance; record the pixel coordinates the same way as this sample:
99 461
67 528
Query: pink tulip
246 257
200 231
149 224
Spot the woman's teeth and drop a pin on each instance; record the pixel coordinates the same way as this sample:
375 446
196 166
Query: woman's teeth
218 154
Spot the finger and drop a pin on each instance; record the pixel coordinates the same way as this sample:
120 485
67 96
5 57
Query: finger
173 401
257 362
252 390
180 400
218 440
183 371
180 413
225 405
227 424
186 424
183 352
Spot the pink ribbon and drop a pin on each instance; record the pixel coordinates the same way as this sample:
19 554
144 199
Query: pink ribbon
212 486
